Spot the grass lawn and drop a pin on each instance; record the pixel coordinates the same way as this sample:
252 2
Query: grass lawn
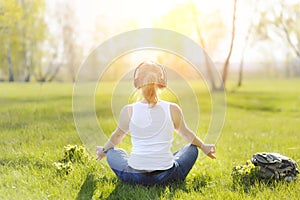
36 122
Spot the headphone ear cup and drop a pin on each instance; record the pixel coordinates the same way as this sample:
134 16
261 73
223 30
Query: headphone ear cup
136 83
163 81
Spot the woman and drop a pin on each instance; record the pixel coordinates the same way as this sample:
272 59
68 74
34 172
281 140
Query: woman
151 124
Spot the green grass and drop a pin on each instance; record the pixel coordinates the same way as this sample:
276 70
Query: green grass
36 122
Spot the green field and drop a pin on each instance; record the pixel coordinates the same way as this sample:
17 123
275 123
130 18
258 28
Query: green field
36 122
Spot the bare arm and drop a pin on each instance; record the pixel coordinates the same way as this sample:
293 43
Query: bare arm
117 136
187 134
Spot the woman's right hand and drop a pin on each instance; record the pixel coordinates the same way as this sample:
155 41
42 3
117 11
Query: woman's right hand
209 150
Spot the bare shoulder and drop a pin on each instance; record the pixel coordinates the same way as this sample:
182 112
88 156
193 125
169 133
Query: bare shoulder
124 118
175 109
176 114
126 111
127 107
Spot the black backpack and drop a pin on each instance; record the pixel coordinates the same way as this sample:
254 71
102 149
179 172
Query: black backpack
274 166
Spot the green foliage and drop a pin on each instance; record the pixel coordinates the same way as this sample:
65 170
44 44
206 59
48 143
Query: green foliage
22 32
199 181
245 175
63 168
189 18
73 154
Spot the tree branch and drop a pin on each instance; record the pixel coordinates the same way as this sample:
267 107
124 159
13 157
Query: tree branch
288 37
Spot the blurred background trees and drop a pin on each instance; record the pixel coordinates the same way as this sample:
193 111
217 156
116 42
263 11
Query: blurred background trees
278 24
43 40
22 33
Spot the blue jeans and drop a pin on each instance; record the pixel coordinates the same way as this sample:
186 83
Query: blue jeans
185 158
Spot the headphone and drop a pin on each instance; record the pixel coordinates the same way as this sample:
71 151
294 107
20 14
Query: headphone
161 77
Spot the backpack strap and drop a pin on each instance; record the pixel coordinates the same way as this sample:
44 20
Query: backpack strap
266 158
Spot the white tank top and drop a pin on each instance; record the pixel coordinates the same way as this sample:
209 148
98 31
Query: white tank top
151 132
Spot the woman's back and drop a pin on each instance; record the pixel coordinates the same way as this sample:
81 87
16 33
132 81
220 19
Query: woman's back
151 130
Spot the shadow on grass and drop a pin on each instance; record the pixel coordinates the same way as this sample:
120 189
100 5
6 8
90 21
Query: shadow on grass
129 191
254 107
87 188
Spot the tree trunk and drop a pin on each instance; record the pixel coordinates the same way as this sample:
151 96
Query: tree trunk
27 78
29 70
9 60
240 80
241 68
55 73
201 40
210 74
226 65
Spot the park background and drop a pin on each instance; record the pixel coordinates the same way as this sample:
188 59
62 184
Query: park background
254 44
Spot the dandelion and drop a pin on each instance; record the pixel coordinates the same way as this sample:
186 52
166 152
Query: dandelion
245 175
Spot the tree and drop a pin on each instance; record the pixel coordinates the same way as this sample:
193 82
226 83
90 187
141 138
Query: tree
10 15
204 26
22 34
226 64
202 42
289 24
280 19
247 40
33 33
71 50
61 52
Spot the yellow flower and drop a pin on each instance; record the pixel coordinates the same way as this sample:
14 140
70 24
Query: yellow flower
248 162
238 167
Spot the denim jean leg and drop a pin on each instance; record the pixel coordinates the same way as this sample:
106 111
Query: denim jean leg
186 158
184 161
118 162
117 159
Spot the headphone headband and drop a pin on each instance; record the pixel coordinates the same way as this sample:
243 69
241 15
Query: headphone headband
161 79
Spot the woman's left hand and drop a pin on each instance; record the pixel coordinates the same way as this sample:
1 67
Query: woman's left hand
100 153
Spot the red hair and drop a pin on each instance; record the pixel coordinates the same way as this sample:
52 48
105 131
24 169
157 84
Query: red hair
150 93
149 77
